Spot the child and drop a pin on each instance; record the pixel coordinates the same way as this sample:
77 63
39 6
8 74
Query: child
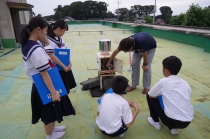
178 111
37 61
55 31
114 112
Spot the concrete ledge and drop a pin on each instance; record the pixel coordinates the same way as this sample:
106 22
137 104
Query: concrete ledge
207 43
207 36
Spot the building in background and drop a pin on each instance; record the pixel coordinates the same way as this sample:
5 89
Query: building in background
14 15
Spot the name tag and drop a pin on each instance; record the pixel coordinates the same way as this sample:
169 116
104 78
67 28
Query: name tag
62 53
130 71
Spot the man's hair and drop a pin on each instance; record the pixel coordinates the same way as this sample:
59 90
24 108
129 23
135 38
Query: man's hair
119 84
126 44
173 64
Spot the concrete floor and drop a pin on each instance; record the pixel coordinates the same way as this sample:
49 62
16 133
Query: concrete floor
15 109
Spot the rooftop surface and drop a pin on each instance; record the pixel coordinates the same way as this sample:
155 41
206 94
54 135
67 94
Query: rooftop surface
15 87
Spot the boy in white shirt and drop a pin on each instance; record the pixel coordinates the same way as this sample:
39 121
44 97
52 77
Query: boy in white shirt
114 112
177 112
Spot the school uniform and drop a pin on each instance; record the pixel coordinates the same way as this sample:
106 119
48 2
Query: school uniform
114 114
178 111
41 43
67 77
36 60
143 42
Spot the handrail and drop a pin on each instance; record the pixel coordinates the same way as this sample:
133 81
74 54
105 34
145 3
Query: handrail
101 31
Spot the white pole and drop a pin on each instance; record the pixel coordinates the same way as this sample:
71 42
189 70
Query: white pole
118 2
154 12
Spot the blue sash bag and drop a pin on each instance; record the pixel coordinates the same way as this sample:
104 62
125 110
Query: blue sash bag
43 91
109 91
161 102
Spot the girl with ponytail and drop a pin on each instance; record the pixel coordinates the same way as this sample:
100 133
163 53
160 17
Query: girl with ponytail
55 31
37 61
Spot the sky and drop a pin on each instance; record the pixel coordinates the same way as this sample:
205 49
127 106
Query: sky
45 7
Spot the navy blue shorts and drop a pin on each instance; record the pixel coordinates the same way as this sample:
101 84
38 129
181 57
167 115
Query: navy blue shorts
122 130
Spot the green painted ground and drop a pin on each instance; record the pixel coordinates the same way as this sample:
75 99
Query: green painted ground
15 109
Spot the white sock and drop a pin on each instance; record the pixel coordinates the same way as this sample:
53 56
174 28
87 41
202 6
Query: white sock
155 124
122 135
175 131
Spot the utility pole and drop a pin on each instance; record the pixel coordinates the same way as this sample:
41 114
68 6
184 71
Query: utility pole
154 12
118 2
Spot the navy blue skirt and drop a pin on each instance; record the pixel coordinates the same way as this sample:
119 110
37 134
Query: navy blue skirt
68 80
51 112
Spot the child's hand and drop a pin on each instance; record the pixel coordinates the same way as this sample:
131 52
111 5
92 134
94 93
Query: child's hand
134 105
69 66
56 96
66 69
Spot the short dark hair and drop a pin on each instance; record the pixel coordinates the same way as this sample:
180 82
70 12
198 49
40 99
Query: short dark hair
119 84
173 64
126 44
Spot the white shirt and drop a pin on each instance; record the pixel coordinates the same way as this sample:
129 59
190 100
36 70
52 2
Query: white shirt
50 48
113 109
176 97
37 62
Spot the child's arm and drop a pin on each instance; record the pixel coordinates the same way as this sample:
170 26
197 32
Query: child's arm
57 61
70 65
46 41
134 114
49 84
155 91
129 102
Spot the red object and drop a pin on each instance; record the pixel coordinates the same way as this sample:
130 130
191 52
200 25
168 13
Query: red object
51 64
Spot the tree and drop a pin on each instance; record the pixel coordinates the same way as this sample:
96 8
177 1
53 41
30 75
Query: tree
158 17
95 9
49 17
196 16
76 10
148 9
148 19
206 19
39 15
166 13
138 10
102 9
122 12
178 20
109 14
59 8
65 10
58 12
